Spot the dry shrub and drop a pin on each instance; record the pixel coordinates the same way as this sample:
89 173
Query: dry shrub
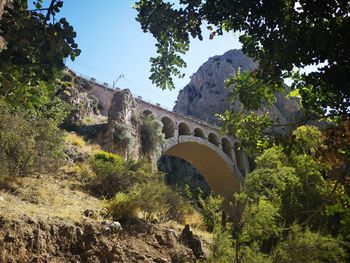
75 140
28 144
154 200
122 207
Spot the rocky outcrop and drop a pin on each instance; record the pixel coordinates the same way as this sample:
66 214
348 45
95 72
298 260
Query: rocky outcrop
206 95
28 239
123 135
188 239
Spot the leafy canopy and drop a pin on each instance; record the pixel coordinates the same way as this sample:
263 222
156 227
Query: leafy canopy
291 207
280 35
35 49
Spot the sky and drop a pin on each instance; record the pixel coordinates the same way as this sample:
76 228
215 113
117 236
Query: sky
114 45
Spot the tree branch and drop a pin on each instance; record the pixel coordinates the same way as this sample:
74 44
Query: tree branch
50 9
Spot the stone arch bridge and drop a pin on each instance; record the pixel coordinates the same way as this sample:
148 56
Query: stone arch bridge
218 158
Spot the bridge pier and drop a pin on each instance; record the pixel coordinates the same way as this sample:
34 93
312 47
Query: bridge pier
242 162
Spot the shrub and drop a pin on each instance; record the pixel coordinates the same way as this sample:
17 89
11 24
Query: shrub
109 176
151 134
75 140
221 249
28 144
211 210
122 137
157 200
122 206
306 246
109 158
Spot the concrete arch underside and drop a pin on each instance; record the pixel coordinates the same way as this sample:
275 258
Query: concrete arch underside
218 169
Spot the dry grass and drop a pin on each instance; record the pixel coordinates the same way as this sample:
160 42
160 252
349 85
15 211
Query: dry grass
83 147
47 197
75 139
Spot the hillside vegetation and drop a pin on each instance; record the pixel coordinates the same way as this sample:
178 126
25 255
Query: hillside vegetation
65 197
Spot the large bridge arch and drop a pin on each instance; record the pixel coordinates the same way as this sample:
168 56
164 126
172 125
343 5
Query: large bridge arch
217 168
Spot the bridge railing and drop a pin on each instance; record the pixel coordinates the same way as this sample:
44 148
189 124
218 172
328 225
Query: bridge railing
105 85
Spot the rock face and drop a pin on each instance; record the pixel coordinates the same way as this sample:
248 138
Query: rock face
28 239
123 135
191 241
206 95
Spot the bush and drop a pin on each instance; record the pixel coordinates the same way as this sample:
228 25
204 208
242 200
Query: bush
151 134
154 199
113 174
211 210
109 176
28 144
123 137
75 140
158 201
111 158
122 206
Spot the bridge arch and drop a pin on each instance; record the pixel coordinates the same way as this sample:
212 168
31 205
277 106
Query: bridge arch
227 147
198 132
168 127
214 139
147 112
184 129
216 167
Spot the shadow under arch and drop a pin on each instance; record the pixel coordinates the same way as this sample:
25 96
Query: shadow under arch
217 168
168 127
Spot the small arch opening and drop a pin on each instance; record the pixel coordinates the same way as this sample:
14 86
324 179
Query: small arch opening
168 127
227 147
184 129
213 139
198 132
146 113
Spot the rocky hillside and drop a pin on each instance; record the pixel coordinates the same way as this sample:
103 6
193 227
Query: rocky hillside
206 95
27 239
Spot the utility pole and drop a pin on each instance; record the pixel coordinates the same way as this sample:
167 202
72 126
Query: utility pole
115 81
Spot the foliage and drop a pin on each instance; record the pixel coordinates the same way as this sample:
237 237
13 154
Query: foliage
280 35
307 246
107 157
172 40
151 134
109 176
250 129
158 201
28 144
288 203
123 137
75 140
221 249
211 210
145 192
251 91
122 206
34 53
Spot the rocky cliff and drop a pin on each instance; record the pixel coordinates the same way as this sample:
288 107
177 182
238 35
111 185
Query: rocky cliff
205 95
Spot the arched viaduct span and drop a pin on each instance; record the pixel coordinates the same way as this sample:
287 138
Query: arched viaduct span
216 157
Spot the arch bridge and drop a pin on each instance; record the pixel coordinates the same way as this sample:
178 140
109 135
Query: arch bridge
217 157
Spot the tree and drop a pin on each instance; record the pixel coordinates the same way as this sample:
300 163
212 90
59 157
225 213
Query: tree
280 35
289 201
36 45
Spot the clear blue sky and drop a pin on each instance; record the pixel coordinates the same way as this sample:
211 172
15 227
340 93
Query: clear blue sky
113 43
